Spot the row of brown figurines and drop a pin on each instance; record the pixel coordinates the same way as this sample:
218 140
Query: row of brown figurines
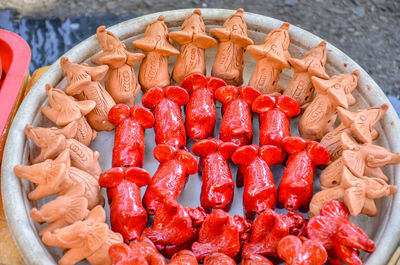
356 177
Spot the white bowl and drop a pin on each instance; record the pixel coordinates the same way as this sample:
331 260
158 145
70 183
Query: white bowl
383 229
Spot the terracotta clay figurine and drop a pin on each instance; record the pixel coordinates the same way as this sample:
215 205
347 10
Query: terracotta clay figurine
66 111
175 227
155 43
121 79
193 40
220 232
58 177
63 211
296 250
170 177
200 110
88 239
218 258
361 124
183 257
84 84
165 103
232 42
320 115
272 56
357 193
254 259
236 123
312 64
361 159
341 238
218 186
53 141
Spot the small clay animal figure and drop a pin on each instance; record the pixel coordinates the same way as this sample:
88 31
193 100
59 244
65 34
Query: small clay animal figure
218 258
84 83
183 257
88 239
254 259
63 211
121 79
312 64
357 193
53 141
360 124
361 159
232 42
320 115
272 56
193 40
58 177
155 43
65 110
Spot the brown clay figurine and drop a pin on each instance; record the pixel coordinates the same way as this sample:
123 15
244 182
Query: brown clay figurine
320 115
154 68
312 64
358 193
58 177
83 83
361 124
53 141
65 110
121 79
193 40
272 56
63 211
361 159
89 239
233 40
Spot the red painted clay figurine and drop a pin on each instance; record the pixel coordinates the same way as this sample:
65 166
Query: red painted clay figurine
218 258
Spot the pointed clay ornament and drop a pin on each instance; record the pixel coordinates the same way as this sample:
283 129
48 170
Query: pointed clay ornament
193 40
83 83
233 40
154 68
320 115
272 56
121 80
312 64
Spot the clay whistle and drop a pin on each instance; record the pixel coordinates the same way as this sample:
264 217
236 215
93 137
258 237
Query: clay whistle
59 177
272 56
121 79
84 84
53 141
232 42
193 40
157 47
218 258
312 64
360 124
320 115
88 239
254 259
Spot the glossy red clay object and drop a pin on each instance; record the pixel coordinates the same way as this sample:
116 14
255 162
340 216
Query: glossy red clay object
296 187
341 238
218 259
254 259
218 186
200 110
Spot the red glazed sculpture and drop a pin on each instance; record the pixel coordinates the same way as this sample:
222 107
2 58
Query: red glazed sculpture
165 103
272 56
236 124
218 186
183 257
254 259
296 187
154 68
222 233
200 110
121 79
259 189
193 40
175 227
233 40
170 177
218 259
312 64
341 238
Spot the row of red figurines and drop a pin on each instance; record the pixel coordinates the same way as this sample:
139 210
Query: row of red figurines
219 238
